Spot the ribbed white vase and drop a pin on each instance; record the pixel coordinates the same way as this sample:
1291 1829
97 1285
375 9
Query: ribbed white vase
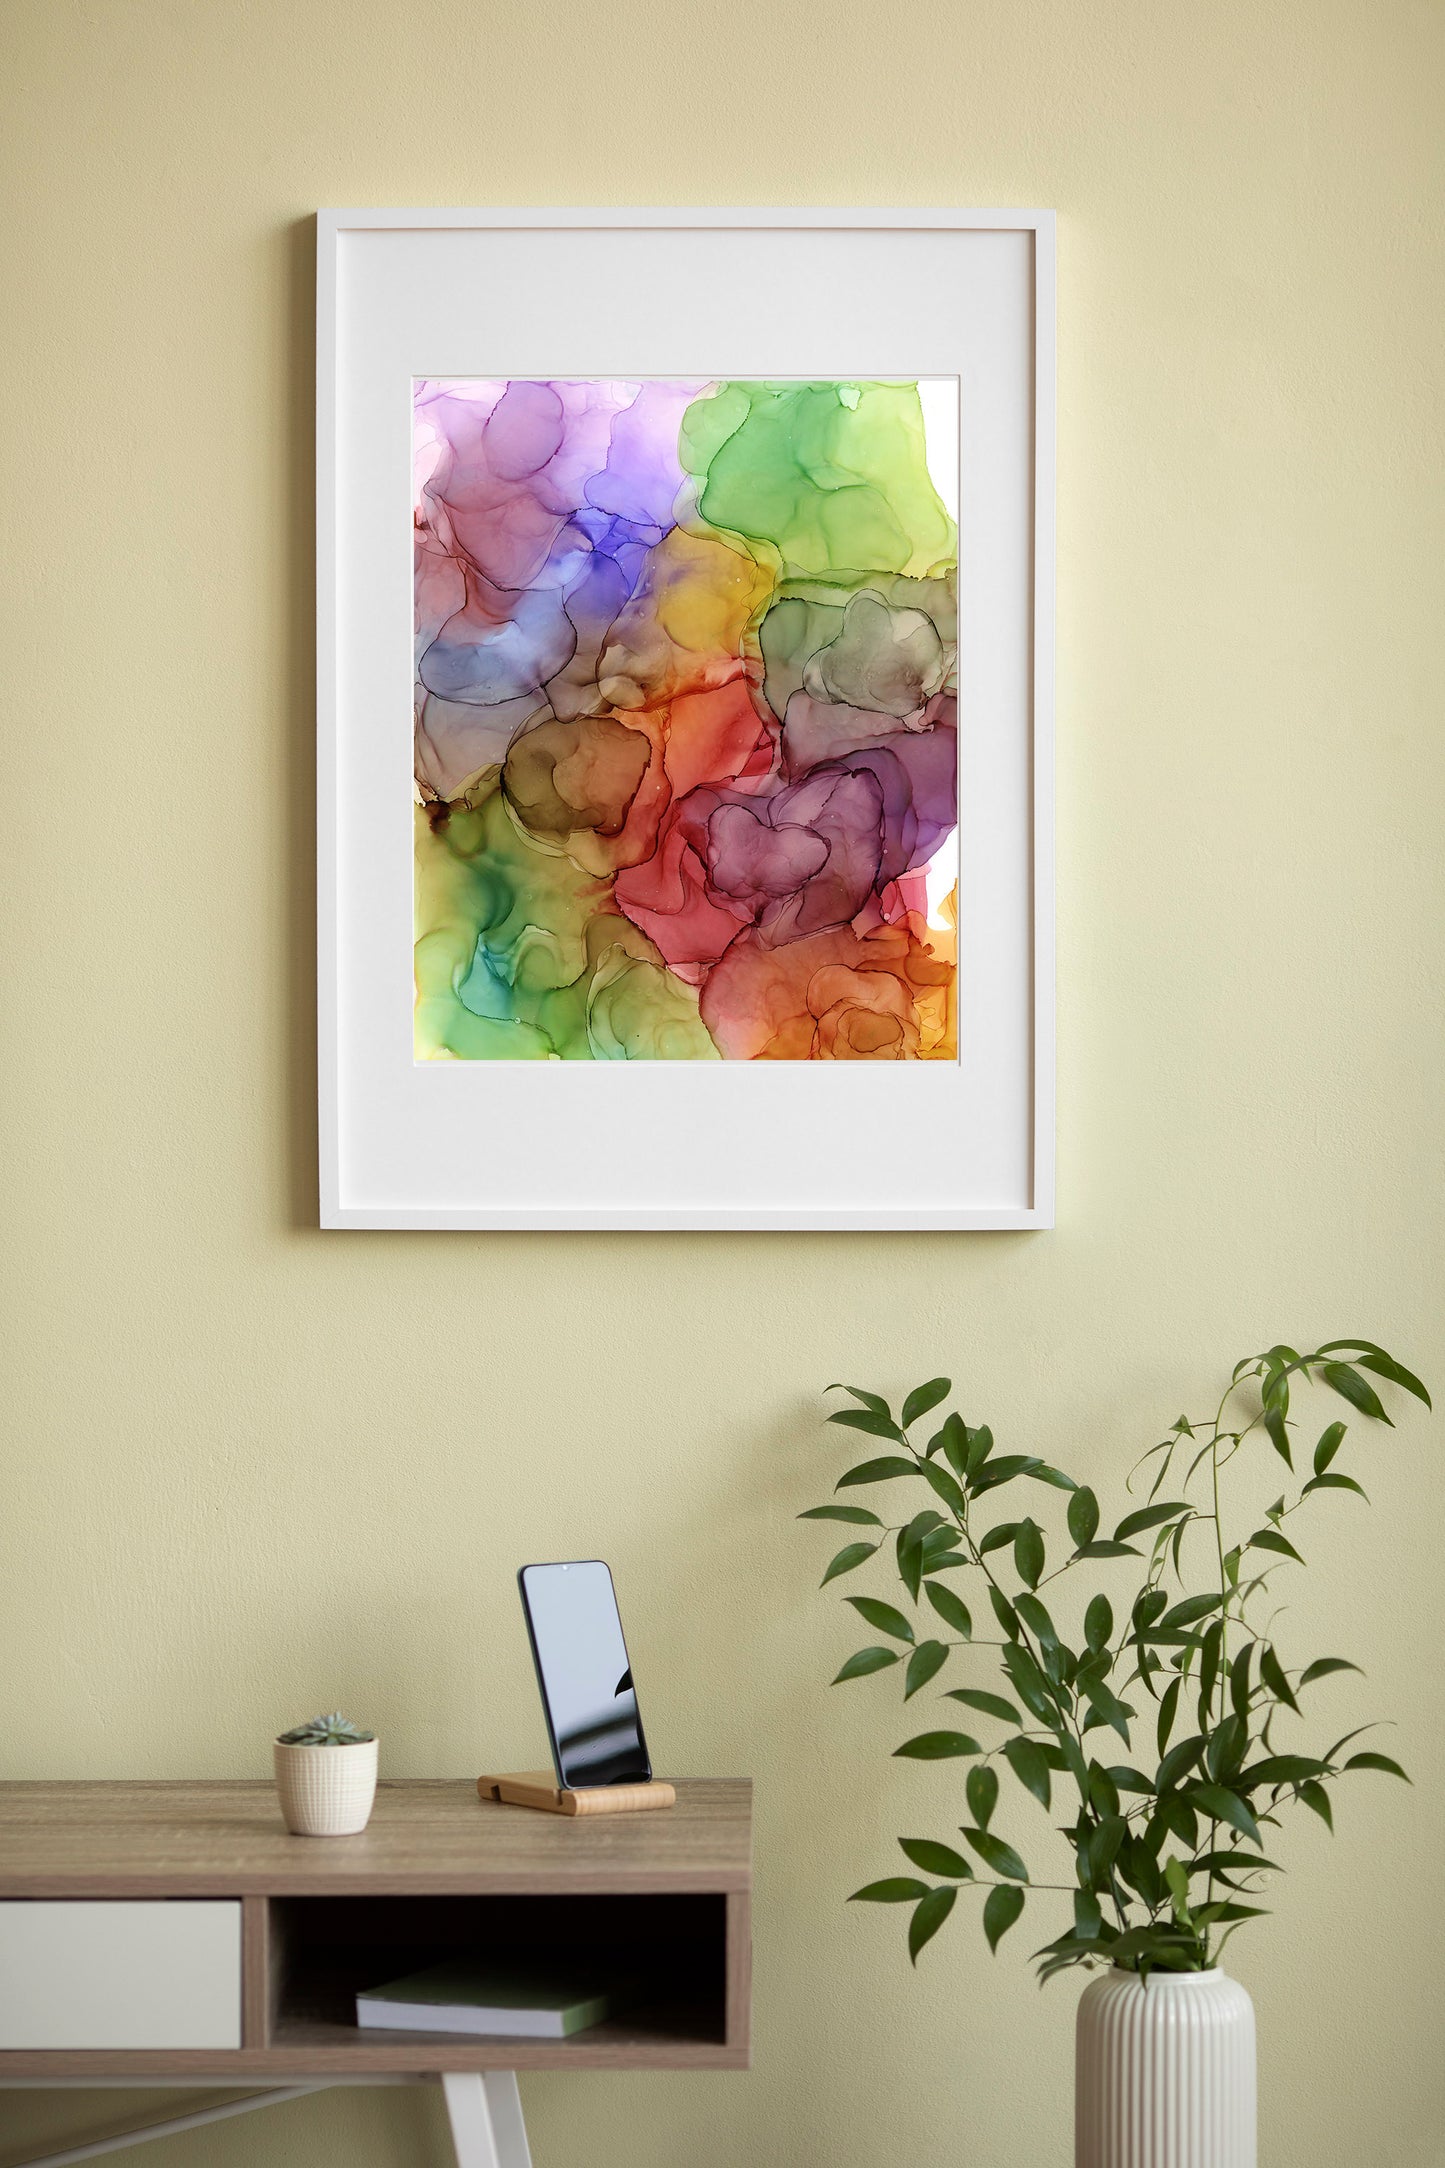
326 1791
1164 2072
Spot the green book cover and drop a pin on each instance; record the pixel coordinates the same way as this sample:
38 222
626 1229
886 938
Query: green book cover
469 1996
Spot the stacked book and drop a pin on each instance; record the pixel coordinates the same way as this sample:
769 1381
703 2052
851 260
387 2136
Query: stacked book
467 1997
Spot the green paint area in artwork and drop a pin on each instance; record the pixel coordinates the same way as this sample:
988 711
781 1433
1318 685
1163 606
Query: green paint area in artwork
833 478
523 960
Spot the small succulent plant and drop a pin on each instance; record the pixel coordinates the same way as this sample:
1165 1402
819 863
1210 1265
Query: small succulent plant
333 1730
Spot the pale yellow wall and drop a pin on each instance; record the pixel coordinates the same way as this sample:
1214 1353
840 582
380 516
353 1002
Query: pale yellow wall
253 1468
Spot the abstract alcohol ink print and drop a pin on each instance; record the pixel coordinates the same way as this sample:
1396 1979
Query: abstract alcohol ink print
686 737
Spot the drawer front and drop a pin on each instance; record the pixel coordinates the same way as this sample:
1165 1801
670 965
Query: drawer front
120 1975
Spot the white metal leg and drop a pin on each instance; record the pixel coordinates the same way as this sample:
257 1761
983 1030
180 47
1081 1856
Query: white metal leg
486 2118
173 2124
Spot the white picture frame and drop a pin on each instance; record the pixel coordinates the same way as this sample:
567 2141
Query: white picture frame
933 1145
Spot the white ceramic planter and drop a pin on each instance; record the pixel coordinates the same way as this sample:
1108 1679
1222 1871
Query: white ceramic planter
326 1791
1164 2073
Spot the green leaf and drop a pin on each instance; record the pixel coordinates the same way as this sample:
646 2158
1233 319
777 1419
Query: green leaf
1323 1666
883 1616
1176 1815
1226 1749
1029 1682
1317 1799
896 1889
1107 1550
981 1789
1083 1516
924 1397
996 1539
937 1858
1272 1672
1357 1390
1270 1539
950 1608
1002 1470
974 1697
996 1854
1126 1779
1279 1769
1376 1761
1088 1918
1026 1759
1168 1708
937 1746
859 1516
1223 1912
865 1662
1209 1665
1102 1846
1225 1806
1004 1612
1278 1435
943 1483
1038 1622
875 1401
1106 1706
866 1419
1178 1882
1329 1445
1029 1554
980 1445
927 1660
1235 1862
1150 1517
929 1915
1341 1744
952 1437
1383 1364
1140 1869
1099 1622
1001 1909
1191 1610
1054 1477
851 1555
1103 1792
909 1550
1335 1482
881 1470
1149 1605
1239 1680
1179 1758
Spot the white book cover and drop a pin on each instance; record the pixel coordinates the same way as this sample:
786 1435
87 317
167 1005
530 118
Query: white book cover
466 1997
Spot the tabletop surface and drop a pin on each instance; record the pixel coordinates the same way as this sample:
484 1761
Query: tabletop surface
434 1836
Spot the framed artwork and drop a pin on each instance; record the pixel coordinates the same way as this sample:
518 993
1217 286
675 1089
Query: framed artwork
685 656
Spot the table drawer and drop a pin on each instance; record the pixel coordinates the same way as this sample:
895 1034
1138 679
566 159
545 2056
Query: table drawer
163 1974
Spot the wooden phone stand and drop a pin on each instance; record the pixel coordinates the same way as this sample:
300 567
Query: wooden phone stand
538 1788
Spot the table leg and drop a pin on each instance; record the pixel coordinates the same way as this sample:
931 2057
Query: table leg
486 2119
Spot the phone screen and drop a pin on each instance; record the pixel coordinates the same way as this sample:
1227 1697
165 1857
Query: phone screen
584 1674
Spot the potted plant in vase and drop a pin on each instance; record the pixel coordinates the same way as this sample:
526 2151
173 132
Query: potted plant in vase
326 1777
1167 1721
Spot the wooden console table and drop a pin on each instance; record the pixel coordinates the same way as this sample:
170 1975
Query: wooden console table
175 1934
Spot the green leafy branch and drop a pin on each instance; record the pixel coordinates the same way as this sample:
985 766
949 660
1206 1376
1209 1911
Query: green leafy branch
1166 1862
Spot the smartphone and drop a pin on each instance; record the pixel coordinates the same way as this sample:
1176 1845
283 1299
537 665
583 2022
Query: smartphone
588 1697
